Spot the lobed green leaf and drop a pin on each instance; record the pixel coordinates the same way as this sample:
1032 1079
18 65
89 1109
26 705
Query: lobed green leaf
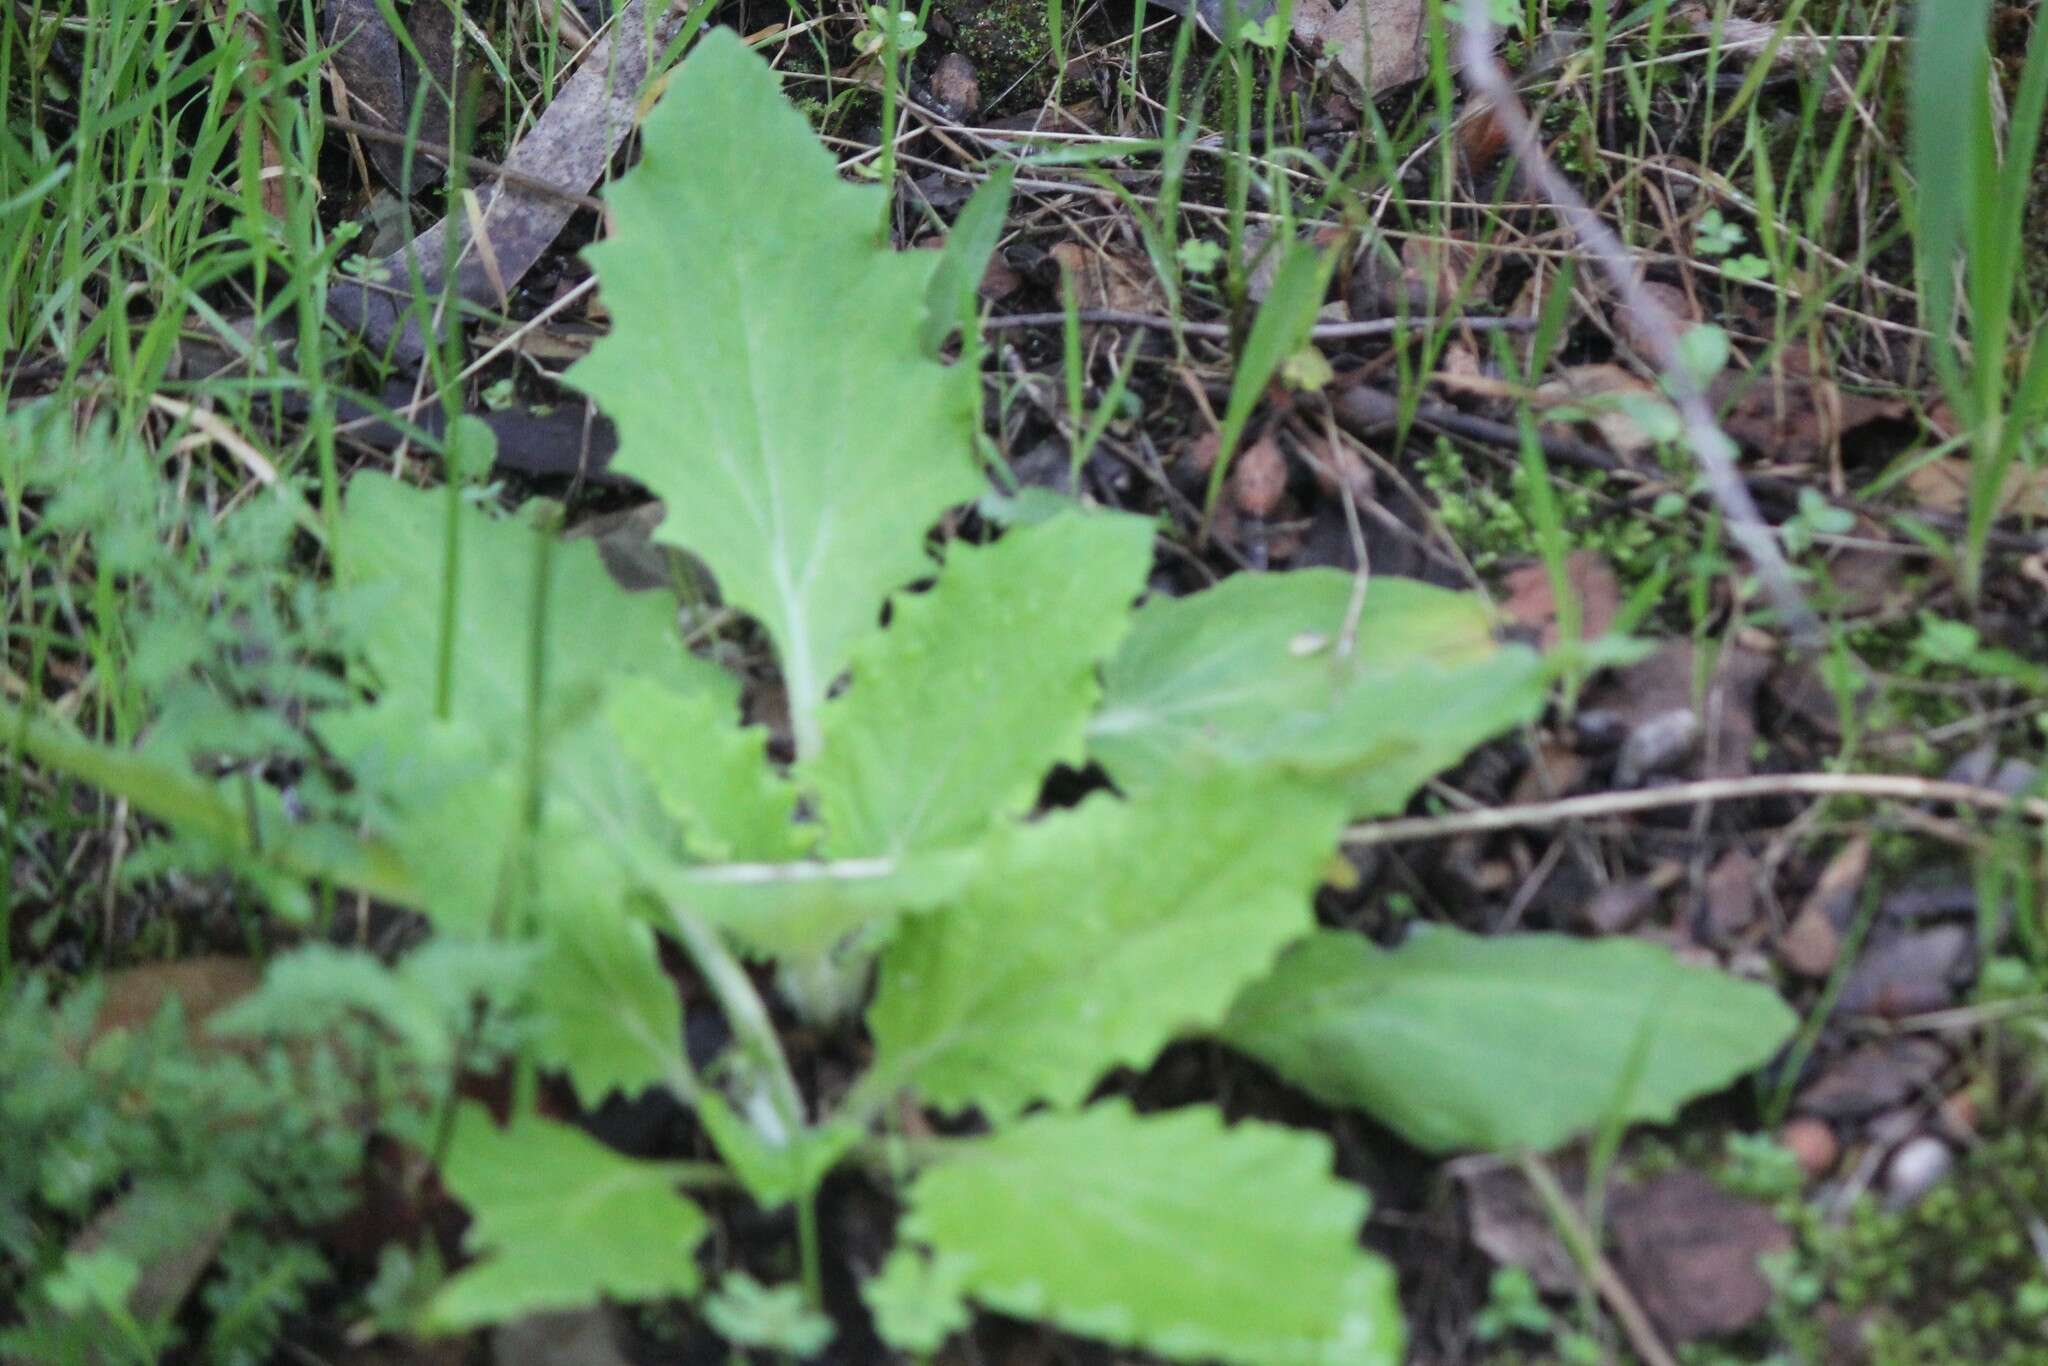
559 1221
766 368
1093 937
1169 1233
978 687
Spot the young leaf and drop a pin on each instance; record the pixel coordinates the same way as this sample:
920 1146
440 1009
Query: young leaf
952 295
560 1221
451 792
1300 280
917 1299
977 687
1169 1233
775 1174
452 802
766 370
1509 1043
747 1313
1255 671
1093 937
711 776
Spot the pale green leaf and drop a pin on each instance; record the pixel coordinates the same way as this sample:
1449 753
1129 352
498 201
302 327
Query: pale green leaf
1516 1042
766 371
978 687
446 801
1261 670
391 550
452 805
559 1221
450 795
1169 1233
608 1014
1093 937
712 776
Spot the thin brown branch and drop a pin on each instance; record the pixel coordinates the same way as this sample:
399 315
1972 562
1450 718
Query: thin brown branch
473 164
1878 786
1585 1250
1377 327
1657 330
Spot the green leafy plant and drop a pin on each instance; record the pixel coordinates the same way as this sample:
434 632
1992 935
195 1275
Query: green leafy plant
1971 201
545 770
142 1155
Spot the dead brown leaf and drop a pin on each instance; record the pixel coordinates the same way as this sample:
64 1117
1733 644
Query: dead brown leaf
1532 602
1810 944
1510 1225
1875 1077
1788 413
1377 44
1944 486
1630 328
1482 137
1909 973
999 281
957 86
1729 898
1690 1252
201 986
1258 478
1644 698
1601 393
1337 467
382 80
1108 278
1435 270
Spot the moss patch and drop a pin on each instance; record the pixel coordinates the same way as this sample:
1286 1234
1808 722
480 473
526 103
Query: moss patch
1007 42
1955 1278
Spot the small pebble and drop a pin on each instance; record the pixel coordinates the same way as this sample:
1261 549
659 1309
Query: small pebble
1259 479
1656 746
1813 1142
957 86
1809 945
1916 1167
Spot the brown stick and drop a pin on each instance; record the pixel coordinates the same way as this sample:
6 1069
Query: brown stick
1657 329
1376 327
1883 786
574 139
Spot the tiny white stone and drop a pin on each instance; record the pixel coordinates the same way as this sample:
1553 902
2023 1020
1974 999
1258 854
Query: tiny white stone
1917 1167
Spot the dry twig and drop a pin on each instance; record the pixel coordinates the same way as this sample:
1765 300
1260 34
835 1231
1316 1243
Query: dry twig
1882 786
1655 327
